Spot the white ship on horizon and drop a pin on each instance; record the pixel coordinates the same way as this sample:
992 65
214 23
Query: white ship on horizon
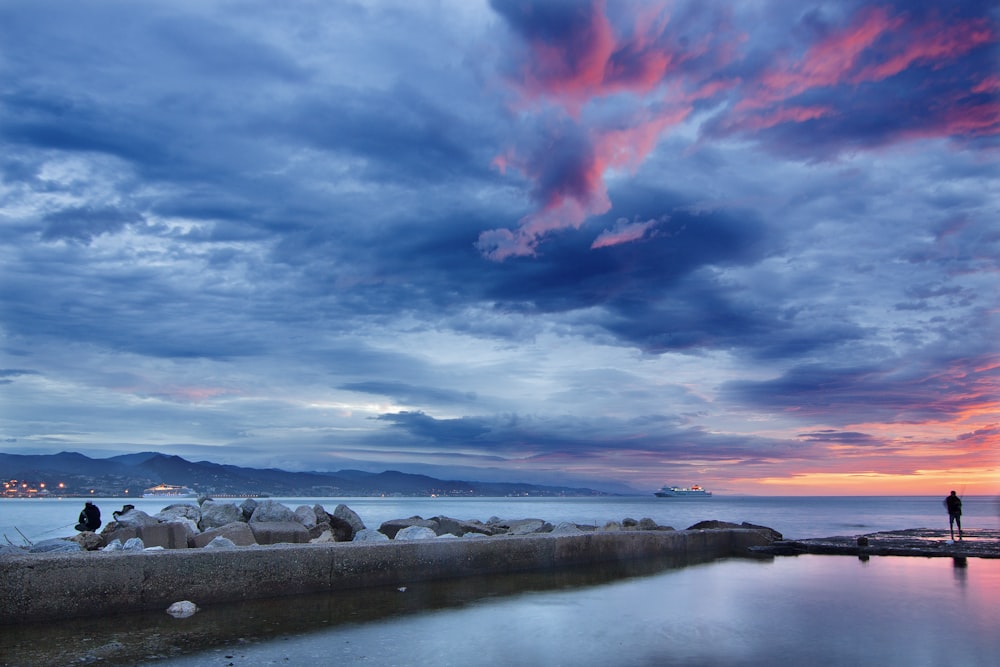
168 491
694 491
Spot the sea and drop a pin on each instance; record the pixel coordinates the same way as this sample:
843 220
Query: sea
803 610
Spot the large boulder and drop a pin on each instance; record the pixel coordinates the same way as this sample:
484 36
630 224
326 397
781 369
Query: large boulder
415 533
88 541
57 545
247 507
393 526
370 535
525 526
237 532
173 535
458 527
305 515
180 511
567 528
349 516
271 511
214 515
278 532
131 519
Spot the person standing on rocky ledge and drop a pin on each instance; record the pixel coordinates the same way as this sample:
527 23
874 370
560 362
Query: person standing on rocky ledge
954 505
90 517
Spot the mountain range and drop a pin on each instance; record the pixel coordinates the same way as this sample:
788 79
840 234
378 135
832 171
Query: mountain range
130 474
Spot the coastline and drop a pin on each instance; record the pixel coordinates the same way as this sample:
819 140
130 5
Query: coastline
45 587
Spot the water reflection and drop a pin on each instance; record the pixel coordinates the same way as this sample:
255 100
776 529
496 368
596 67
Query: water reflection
823 610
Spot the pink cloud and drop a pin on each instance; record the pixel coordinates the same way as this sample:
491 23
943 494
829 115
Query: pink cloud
623 232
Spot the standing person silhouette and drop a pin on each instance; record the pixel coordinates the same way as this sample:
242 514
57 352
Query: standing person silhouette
954 505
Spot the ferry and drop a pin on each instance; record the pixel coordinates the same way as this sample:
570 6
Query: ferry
168 491
677 492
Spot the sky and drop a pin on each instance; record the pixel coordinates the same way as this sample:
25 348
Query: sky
617 244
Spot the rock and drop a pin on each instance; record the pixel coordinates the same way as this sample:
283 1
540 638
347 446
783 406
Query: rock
10 550
521 526
173 535
346 514
393 526
131 519
323 537
220 542
475 535
457 527
180 511
713 525
629 522
133 544
610 527
566 528
238 533
862 541
88 541
370 535
247 507
442 536
215 515
113 545
271 511
57 545
278 532
771 533
305 515
648 524
415 533
182 609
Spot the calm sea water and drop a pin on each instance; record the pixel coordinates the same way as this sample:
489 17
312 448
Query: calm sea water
806 610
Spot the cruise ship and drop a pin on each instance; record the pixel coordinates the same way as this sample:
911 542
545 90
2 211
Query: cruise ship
168 491
678 492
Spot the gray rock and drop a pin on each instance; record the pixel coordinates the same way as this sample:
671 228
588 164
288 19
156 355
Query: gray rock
132 519
113 545
220 542
393 526
57 545
610 527
629 522
527 526
305 515
475 535
648 524
346 514
271 511
771 533
180 511
370 535
11 550
215 515
458 527
324 537
182 609
247 507
88 541
415 533
133 544
566 528
279 532
238 533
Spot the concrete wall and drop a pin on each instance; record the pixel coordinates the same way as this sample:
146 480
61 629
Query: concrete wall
51 586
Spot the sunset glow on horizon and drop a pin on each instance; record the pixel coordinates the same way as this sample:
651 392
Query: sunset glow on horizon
594 243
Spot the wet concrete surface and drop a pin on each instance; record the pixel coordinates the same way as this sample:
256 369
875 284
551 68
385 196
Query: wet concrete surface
912 542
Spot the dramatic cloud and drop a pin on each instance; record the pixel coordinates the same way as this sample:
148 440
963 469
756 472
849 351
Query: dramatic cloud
751 245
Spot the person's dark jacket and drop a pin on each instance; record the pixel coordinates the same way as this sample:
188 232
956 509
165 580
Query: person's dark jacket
954 504
90 517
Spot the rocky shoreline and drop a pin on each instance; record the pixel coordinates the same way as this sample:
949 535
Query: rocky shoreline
210 524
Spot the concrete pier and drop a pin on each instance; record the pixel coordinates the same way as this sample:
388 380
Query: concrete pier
53 586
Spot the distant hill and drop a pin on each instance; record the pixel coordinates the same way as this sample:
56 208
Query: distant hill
129 474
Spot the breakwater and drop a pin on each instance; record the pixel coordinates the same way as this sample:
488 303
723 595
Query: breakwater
37 587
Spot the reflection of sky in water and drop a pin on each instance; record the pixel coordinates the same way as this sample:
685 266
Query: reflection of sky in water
815 610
